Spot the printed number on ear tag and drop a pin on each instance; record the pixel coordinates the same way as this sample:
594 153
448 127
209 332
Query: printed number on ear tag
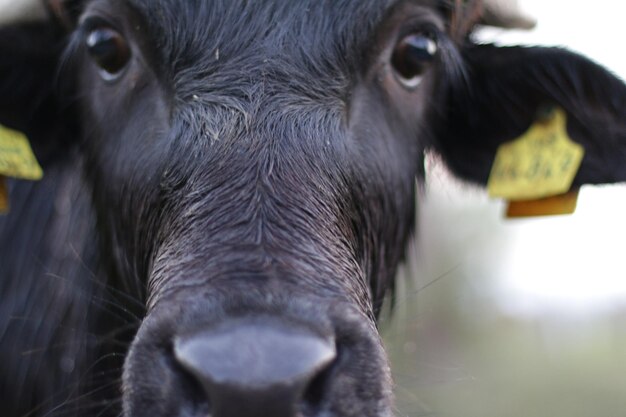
4 196
542 163
16 156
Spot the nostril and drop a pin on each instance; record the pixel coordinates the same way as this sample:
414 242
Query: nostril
194 399
244 366
316 391
195 393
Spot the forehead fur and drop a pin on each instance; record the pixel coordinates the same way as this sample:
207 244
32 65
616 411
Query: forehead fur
307 32
269 39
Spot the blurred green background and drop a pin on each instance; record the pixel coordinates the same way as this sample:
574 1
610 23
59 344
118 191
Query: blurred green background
511 318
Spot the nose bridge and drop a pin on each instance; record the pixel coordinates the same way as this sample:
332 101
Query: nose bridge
272 178
269 198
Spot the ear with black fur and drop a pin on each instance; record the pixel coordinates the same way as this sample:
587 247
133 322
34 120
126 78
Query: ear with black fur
505 89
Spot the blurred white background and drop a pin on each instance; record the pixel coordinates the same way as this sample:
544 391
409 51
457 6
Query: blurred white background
518 318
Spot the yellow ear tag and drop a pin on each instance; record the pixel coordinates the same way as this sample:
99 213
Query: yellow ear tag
17 160
550 206
16 156
542 163
4 196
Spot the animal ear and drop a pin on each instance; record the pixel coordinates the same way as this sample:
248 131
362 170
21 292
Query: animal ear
31 46
505 91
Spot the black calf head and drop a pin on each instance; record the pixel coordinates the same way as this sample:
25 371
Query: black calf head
245 171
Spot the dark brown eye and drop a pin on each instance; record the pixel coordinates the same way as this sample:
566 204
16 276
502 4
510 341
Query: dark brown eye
412 56
109 50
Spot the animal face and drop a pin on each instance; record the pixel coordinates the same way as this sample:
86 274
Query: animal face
240 177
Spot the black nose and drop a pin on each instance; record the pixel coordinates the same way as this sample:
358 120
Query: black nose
255 368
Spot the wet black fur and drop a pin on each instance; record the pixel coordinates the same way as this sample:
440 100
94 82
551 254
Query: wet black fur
251 166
